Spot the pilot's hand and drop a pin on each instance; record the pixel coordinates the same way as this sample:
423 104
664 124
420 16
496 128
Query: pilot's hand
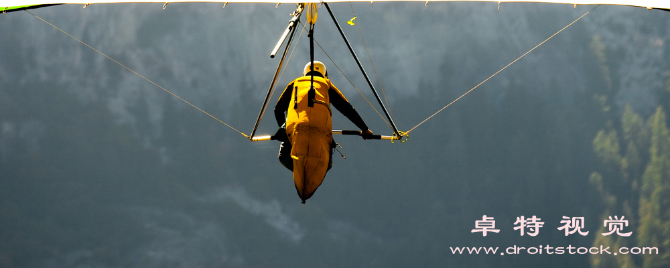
367 134
280 135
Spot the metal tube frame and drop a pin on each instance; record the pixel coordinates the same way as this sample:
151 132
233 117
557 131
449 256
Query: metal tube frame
291 24
291 27
388 116
335 132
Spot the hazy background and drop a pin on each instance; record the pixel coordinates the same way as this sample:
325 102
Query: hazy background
100 168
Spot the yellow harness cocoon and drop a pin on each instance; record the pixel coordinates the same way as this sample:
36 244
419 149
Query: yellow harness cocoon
309 130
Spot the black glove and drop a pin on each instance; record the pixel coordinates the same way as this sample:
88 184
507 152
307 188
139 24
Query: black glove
281 135
367 134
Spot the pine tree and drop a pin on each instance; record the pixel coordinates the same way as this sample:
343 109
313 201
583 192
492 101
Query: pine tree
635 184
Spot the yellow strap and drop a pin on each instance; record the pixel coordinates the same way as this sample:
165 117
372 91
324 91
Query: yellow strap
351 21
311 13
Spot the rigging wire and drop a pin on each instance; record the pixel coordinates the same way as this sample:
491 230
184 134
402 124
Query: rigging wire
396 132
371 62
141 76
499 71
288 60
278 78
350 82
331 59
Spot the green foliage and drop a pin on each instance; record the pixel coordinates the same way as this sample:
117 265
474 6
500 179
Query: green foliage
603 260
606 146
634 177
636 185
634 129
654 229
599 49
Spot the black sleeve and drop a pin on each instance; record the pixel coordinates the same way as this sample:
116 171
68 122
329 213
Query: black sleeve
282 105
346 109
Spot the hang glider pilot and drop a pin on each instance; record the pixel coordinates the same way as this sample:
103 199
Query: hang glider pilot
303 115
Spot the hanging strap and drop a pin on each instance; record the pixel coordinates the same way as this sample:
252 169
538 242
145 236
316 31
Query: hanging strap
311 13
311 94
311 19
